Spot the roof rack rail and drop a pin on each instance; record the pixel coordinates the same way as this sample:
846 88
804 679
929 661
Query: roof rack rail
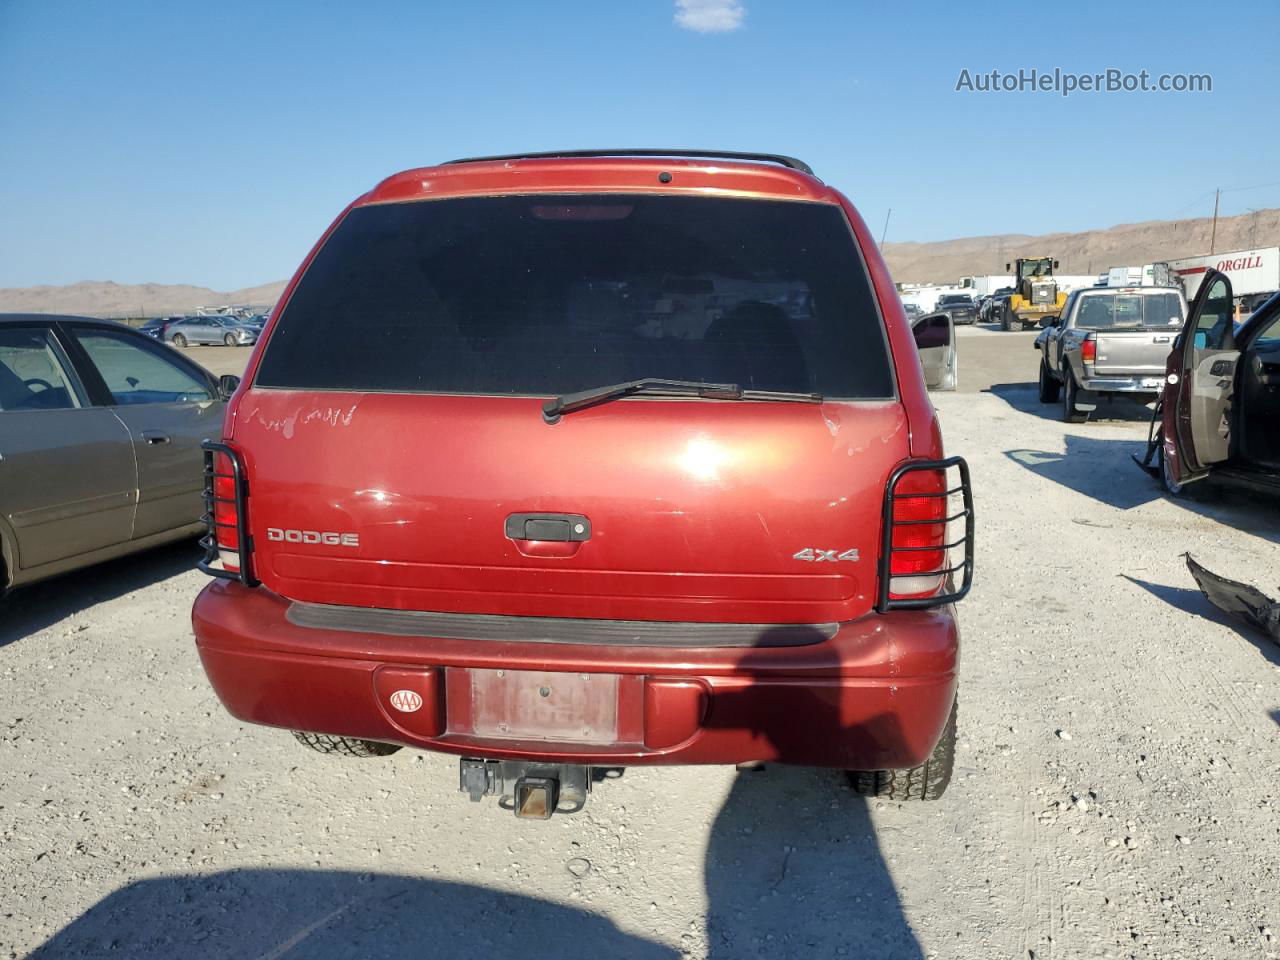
778 158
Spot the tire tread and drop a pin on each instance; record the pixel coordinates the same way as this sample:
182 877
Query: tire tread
344 746
925 782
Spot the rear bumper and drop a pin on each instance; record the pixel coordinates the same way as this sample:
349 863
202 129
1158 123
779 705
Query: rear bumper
874 696
1151 384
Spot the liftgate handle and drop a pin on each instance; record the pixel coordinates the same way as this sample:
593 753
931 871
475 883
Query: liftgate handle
548 527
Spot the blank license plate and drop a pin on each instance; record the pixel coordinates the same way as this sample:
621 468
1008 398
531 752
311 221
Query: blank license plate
530 705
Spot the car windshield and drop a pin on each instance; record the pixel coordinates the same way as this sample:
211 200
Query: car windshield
956 299
1101 311
549 295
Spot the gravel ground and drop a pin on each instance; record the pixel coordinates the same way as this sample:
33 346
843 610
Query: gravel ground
1117 792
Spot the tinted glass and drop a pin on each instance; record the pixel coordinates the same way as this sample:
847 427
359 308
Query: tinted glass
1216 317
1162 310
1269 338
137 372
31 374
932 332
548 295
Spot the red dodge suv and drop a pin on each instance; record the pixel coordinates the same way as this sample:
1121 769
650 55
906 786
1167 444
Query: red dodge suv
563 463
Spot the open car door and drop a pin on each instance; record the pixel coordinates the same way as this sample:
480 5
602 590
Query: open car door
1201 374
936 343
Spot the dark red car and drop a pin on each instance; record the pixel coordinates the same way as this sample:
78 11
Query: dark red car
589 460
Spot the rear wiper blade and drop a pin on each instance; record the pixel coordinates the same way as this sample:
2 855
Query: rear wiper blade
569 402
781 395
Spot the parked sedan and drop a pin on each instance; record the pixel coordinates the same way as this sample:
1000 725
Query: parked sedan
100 431
210 330
156 326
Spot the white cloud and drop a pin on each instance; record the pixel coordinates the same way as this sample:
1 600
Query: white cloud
710 16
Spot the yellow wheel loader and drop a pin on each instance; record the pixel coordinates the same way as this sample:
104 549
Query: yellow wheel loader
1035 295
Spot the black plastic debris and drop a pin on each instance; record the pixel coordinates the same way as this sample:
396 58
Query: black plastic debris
1238 599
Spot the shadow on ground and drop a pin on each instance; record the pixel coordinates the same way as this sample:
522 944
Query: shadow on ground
1103 469
1025 398
995 327
1194 602
29 610
793 866
793 869
1098 468
334 914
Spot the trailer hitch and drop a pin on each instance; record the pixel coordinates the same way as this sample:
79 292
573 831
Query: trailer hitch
533 791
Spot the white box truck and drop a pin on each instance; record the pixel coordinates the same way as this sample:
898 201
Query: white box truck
1250 271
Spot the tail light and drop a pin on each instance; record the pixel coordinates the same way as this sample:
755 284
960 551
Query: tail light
921 507
227 545
1089 351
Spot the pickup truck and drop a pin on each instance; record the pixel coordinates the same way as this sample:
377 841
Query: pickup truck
959 307
1108 340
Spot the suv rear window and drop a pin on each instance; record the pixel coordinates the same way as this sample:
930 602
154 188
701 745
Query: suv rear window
544 295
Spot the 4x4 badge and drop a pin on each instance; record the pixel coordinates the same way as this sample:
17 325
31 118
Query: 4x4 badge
816 555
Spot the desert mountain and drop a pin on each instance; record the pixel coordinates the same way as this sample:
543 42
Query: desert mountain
1093 251
107 299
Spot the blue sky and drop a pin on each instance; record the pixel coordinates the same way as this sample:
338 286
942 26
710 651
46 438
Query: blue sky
212 142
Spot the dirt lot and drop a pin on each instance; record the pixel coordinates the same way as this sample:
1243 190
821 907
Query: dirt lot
1118 791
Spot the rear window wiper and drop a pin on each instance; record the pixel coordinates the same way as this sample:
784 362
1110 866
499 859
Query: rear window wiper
782 395
556 407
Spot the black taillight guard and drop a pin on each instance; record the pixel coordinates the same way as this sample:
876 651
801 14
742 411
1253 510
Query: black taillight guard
209 542
884 601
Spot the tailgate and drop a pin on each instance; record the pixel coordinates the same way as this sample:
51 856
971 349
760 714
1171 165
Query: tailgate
1136 353
697 509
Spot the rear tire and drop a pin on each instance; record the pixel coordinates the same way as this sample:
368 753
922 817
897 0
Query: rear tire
925 782
1049 387
344 746
1006 319
1069 390
179 340
229 339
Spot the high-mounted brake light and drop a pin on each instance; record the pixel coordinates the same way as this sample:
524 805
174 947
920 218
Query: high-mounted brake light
227 544
915 553
1089 351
